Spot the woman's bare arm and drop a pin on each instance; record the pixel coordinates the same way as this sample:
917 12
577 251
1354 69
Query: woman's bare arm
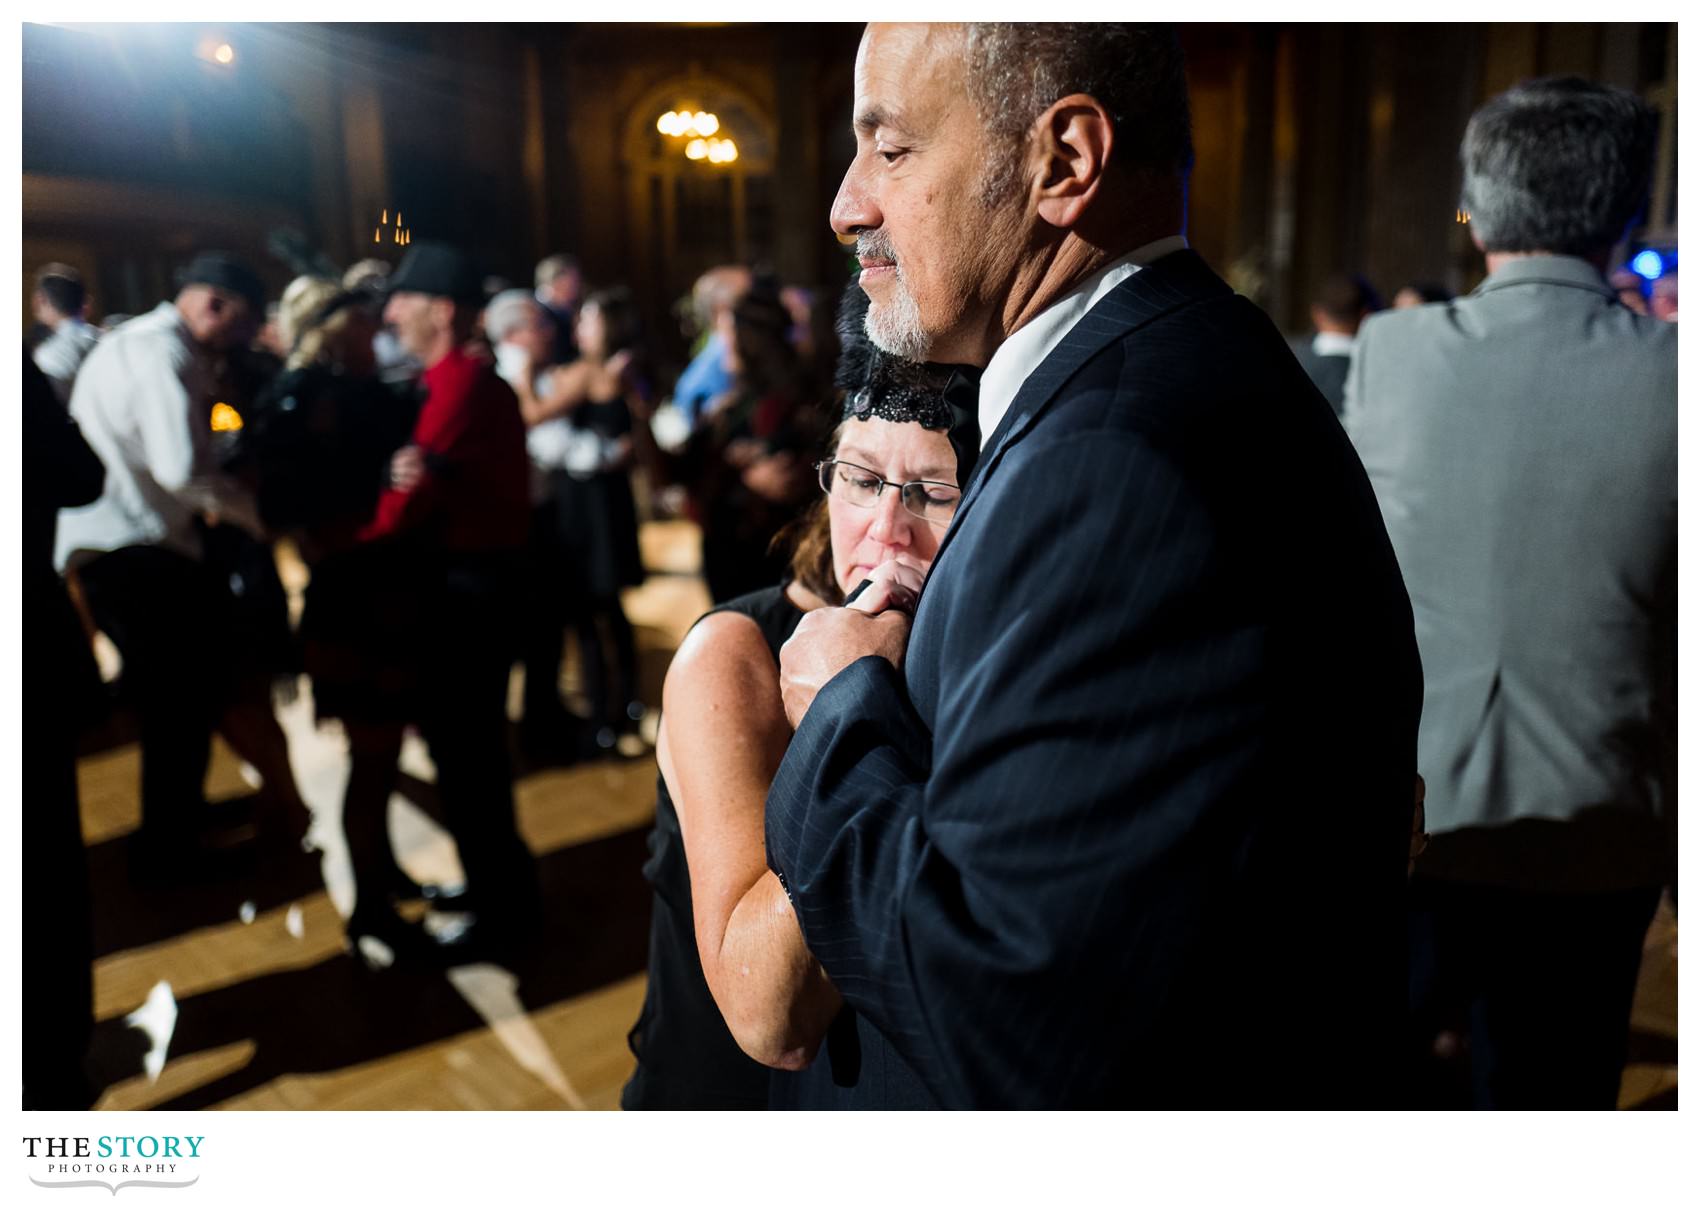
723 733
567 389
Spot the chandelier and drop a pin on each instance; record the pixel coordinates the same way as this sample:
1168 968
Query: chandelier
400 235
698 128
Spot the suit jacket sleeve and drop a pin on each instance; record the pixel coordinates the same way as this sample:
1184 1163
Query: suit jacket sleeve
989 904
445 433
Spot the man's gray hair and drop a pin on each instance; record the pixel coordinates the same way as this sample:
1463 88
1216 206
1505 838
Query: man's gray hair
552 267
506 312
1017 70
1557 165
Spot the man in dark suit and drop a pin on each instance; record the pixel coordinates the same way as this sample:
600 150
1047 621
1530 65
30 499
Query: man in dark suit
1122 817
1522 442
1344 302
62 689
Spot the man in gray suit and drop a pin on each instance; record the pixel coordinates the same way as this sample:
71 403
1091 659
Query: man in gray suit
1522 443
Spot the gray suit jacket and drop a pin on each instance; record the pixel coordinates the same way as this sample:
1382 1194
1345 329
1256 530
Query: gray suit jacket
1522 443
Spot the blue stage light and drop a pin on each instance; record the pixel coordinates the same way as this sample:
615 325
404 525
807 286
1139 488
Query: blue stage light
1648 264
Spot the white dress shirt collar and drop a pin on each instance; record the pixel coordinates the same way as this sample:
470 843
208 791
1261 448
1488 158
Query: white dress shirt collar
1026 348
1332 344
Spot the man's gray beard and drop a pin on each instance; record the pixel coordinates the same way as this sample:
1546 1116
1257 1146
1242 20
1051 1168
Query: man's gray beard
895 325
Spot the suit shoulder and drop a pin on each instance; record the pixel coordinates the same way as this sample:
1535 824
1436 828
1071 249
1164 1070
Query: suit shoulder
1408 324
1079 462
1184 369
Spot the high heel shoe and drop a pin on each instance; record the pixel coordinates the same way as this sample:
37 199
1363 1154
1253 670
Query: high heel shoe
445 898
398 942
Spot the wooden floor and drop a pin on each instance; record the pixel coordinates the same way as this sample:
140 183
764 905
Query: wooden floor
238 993
248 978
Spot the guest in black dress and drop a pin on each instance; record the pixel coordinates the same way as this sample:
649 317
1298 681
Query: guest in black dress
598 517
582 431
737 1010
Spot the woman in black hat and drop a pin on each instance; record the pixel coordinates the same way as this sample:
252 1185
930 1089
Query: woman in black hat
729 975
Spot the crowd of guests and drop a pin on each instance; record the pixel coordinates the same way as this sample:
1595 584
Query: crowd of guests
1121 803
455 469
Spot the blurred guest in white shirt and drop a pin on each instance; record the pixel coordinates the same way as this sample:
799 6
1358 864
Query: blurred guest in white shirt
58 303
144 399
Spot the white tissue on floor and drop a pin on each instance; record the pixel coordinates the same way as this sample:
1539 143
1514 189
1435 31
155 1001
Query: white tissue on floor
292 922
157 1019
376 952
246 913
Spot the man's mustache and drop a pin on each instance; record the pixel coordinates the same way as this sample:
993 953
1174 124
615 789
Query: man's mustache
876 245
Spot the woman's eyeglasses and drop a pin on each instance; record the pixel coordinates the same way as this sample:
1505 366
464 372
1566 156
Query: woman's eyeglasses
929 500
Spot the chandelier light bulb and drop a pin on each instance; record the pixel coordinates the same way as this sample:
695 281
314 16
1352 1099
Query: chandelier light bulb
696 149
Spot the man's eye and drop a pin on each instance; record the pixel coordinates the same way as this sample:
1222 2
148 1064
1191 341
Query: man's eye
891 157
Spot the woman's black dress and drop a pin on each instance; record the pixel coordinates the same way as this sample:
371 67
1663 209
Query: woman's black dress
319 445
687 1058
596 518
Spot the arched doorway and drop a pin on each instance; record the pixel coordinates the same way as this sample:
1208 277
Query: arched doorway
688 215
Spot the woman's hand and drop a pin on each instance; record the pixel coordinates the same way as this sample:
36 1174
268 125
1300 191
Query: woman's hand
894 585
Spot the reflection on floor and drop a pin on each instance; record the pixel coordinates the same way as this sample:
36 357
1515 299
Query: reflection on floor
238 993
251 1000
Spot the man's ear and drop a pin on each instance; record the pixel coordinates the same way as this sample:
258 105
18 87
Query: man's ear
443 312
1072 141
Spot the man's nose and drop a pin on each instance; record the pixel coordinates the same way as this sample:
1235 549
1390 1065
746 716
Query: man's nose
853 210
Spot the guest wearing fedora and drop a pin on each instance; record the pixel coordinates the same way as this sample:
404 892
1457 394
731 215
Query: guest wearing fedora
144 400
458 497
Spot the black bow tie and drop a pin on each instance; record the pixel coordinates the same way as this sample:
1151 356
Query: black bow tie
962 393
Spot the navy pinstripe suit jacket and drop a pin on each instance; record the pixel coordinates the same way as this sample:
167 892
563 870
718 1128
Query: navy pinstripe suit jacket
1129 828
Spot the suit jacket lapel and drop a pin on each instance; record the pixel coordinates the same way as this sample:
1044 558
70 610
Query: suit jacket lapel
1157 289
